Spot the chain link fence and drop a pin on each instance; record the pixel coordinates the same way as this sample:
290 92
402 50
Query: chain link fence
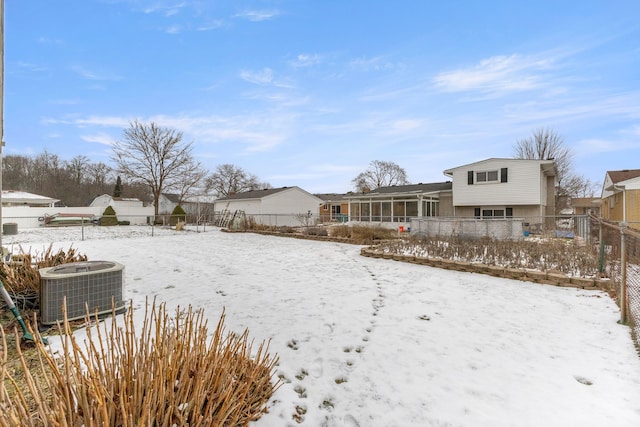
618 249
563 226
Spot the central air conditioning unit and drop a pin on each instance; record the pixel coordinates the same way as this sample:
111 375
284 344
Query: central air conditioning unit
96 286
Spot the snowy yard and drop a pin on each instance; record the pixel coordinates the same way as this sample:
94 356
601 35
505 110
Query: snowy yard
374 342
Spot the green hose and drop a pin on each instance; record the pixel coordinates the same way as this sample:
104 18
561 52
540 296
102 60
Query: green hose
26 336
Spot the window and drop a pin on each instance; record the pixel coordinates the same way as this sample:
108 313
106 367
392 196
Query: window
376 211
412 209
430 207
487 176
386 211
493 213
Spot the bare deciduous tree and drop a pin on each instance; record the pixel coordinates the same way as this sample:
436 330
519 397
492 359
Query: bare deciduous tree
229 179
15 173
99 174
578 186
546 144
380 174
190 178
154 156
77 168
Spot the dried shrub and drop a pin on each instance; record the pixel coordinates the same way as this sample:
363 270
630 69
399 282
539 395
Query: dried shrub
171 373
316 231
285 229
365 234
340 231
566 256
250 223
21 276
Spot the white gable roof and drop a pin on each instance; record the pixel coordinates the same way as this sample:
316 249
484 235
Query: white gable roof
10 197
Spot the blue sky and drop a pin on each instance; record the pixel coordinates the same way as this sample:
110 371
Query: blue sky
308 93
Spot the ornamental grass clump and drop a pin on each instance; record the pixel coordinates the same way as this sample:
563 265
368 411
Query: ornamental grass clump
168 372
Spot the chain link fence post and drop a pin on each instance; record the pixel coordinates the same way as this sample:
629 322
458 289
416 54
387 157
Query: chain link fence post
623 274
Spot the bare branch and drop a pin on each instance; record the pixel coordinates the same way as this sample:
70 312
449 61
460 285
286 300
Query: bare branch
380 174
154 156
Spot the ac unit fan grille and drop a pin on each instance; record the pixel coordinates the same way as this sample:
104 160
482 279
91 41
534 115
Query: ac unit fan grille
84 290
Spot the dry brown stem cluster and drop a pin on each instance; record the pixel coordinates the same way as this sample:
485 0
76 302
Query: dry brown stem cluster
21 276
168 372
562 255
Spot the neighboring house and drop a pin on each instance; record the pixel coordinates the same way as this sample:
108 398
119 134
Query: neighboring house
26 210
334 208
127 209
398 203
586 205
116 202
200 208
167 202
197 207
620 200
22 198
501 187
274 206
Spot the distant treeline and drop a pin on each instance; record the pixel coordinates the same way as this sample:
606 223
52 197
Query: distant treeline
75 182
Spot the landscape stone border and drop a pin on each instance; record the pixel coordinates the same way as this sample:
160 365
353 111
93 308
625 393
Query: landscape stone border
535 276
554 278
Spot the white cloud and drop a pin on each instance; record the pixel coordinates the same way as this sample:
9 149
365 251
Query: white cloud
265 77
173 29
93 75
45 40
165 8
305 60
495 74
104 121
30 67
211 25
101 138
376 63
262 77
258 15
406 124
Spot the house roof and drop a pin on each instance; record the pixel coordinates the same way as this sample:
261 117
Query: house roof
175 198
331 197
254 194
548 166
22 196
584 202
420 188
623 175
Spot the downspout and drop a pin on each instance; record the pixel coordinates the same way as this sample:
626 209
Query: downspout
624 201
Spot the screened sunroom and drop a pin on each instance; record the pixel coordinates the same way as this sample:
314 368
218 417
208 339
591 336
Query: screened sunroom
400 203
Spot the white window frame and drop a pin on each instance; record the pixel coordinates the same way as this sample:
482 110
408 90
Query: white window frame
485 175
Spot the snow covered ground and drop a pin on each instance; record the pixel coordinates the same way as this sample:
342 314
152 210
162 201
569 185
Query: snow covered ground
374 342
